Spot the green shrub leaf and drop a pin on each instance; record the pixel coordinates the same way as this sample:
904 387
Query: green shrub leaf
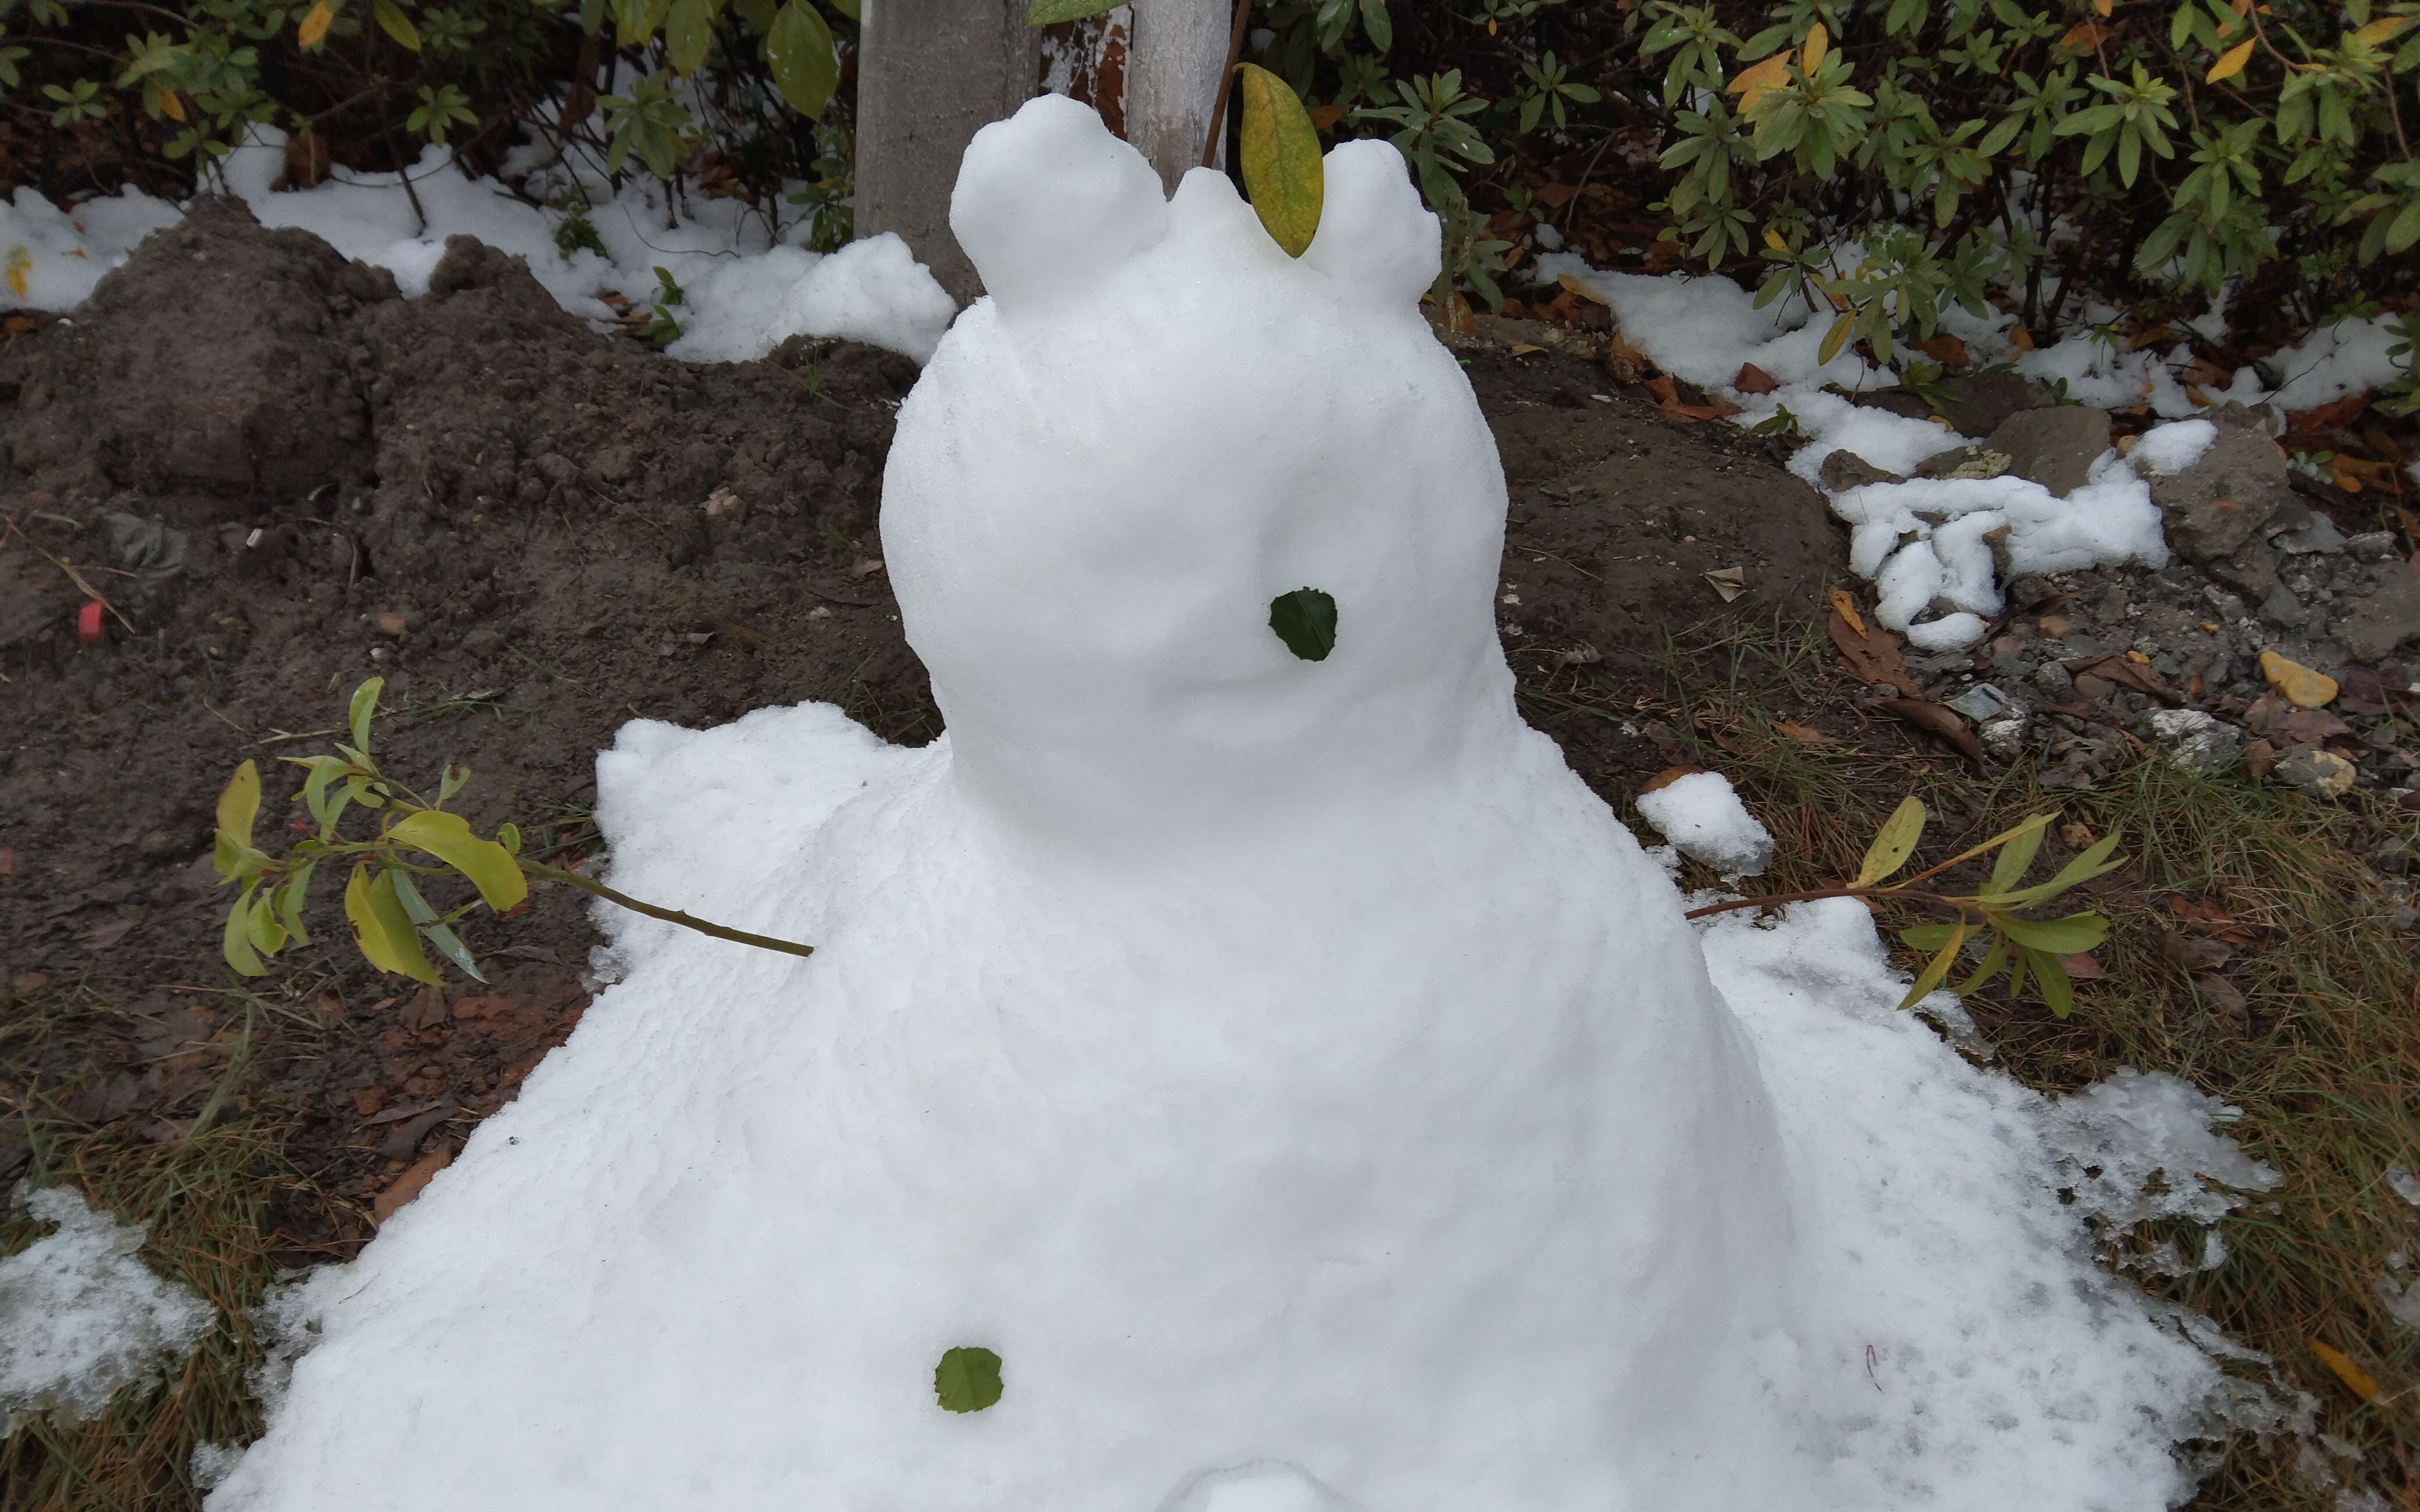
381 928
1305 620
966 1380
357 717
392 21
239 803
1893 843
805 67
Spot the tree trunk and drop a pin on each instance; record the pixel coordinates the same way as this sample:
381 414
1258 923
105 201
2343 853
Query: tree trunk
1178 69
931 74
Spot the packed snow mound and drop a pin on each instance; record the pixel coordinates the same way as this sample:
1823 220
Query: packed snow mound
81 1316
1702 816
745 289
1290 1070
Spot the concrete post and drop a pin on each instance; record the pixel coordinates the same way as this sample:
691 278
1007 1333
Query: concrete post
931 74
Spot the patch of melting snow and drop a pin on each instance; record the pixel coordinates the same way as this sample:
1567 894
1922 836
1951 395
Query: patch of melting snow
82 1317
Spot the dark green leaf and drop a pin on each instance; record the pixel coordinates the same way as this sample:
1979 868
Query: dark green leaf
451 945
1305 620
966 1380
805 67
358 717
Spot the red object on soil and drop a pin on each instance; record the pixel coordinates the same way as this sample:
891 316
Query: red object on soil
89 620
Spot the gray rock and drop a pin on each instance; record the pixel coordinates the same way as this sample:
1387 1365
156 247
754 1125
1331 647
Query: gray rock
2371 545
2282 607
2320 537
2322 773
1969 461
2029 589
2052 679
2372 626
2054 448
2084 645
1975 404
2192 741
1982 702
2250 569
1844 470
2213 508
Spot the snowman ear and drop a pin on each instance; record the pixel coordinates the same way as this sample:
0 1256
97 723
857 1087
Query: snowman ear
1375 240
1049 200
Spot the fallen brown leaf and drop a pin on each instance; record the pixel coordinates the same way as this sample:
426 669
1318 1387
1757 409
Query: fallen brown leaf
1754 379
2360 1382
1667 398
1945 350
107 935
1873 656
1730 582
1847 605
1666 778
2080 966
2119 670
2225 998
407 1186
1941 724
1806 733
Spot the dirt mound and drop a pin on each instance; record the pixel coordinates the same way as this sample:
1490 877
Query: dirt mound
536 533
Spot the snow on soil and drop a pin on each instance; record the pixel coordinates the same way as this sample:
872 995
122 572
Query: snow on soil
1290 1070
81 1316
1703 817
1923 541
744 290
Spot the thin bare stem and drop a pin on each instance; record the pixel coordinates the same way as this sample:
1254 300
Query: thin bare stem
670 916
1962 905
1226 84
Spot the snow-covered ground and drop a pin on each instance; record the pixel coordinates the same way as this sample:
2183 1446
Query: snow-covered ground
81 1316
745 289
1924 542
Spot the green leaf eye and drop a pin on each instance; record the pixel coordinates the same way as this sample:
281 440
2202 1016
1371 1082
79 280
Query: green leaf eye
1305 620
966 1380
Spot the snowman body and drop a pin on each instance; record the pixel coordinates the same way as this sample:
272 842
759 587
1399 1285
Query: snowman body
1278 1063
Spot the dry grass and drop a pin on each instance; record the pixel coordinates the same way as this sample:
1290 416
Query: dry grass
2327 1069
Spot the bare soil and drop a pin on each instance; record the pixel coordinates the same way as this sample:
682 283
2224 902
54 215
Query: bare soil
285 478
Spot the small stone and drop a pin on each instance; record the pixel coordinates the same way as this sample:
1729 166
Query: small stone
2297 683
2052 679
2370 545
2385 618
2054 448
2322 773
1970 461
2282 607
2006 736
2258 757
2192 741
2221 502
2320 537
391 623
2055 626
2094 688
1981 702
1844 470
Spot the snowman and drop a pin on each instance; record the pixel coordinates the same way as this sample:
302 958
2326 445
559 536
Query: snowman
1286 1069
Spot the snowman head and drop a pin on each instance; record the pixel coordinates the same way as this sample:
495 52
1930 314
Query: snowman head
1156 423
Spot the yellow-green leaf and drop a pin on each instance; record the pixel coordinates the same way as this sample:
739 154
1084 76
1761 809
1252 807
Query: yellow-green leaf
1819 41
2008 869
239 803
1836 338
447 837
2381 30
381 928
2049 979
2057 936
289 902
1895 843
1754 82
2231 63
392 21
805 67
1937 968
314 25
358 717
1280 160
235 940
267 933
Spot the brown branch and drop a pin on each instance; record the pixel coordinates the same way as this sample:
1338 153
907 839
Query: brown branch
9 527
670 916
1226 84
1847 891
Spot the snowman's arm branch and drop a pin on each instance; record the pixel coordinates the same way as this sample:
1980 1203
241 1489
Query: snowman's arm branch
670 916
